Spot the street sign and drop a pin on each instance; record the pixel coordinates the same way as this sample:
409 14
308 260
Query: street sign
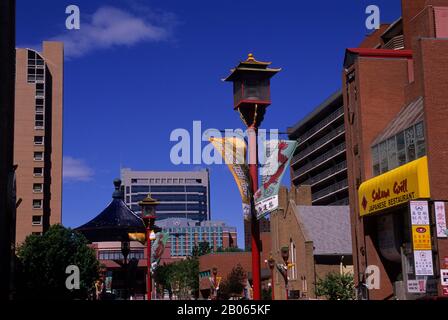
423 263
439 208
444 277
419 212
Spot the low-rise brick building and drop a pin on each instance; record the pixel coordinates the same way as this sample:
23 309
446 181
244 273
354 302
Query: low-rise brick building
318 238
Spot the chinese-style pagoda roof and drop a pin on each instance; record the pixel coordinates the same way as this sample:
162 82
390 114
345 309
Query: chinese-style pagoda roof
252 66
114 222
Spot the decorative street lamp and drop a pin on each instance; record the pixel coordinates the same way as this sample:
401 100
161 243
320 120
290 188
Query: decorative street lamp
148 206
252 95
215 283
284 268
271 265
125 249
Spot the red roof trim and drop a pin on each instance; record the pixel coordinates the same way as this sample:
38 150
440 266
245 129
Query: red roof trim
381 53
352 54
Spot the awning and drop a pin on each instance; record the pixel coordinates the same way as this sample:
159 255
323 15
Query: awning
395 187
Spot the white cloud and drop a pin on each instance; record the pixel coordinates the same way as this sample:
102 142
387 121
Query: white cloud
76 170
109 27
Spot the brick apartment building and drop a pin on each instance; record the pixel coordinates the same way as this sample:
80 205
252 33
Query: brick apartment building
318 238
38 138
396 111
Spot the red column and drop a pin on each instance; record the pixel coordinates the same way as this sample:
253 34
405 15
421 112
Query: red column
255 229
148 262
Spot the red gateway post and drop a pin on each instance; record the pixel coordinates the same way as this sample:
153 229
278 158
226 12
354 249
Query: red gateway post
251 91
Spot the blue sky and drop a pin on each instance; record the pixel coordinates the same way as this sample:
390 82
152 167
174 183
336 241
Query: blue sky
139 69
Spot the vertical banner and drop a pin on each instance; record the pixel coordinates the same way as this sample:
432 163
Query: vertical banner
157 248
440 214
421 238
266 197
233 151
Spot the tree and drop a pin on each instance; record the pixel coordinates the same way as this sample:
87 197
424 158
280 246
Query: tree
234 283
43 259
336 286
180 276
201 249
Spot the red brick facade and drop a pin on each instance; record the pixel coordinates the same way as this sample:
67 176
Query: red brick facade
375 90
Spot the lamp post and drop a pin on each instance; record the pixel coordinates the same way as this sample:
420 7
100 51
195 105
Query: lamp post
148 206
125 249
215 284
285 255
271 265
251 92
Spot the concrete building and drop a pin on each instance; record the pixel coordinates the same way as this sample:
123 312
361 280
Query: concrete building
395 103
320 158
38 137
185 234
7 199
318 238
181 194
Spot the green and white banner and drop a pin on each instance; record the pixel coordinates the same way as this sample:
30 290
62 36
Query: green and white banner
272 171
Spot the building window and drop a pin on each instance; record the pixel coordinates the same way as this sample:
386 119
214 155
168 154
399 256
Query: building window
404 147
36 233
38 172
40 90
293 255
38 140
37 221
39 121
37 204
409 137
38 187
38 156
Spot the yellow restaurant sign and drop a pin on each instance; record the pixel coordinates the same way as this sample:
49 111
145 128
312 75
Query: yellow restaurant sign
395 187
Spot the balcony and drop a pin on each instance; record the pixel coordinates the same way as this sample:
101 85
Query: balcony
330 190
320 160
318 144
335 115
326 174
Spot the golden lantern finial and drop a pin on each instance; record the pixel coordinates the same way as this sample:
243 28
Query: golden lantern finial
250 57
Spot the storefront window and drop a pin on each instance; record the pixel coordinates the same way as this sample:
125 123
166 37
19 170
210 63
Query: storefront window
392 153
401 149
376 161
383 156
409 135
420 139
398 150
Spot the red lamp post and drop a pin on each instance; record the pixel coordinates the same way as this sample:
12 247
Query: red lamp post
251 92
148 206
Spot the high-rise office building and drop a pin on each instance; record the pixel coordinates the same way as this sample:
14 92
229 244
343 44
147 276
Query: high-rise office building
38 138
320 159
181 194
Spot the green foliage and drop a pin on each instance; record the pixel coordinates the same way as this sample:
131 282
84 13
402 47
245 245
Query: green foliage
234 284
201 249
180 277
336 286
43 259
266 293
